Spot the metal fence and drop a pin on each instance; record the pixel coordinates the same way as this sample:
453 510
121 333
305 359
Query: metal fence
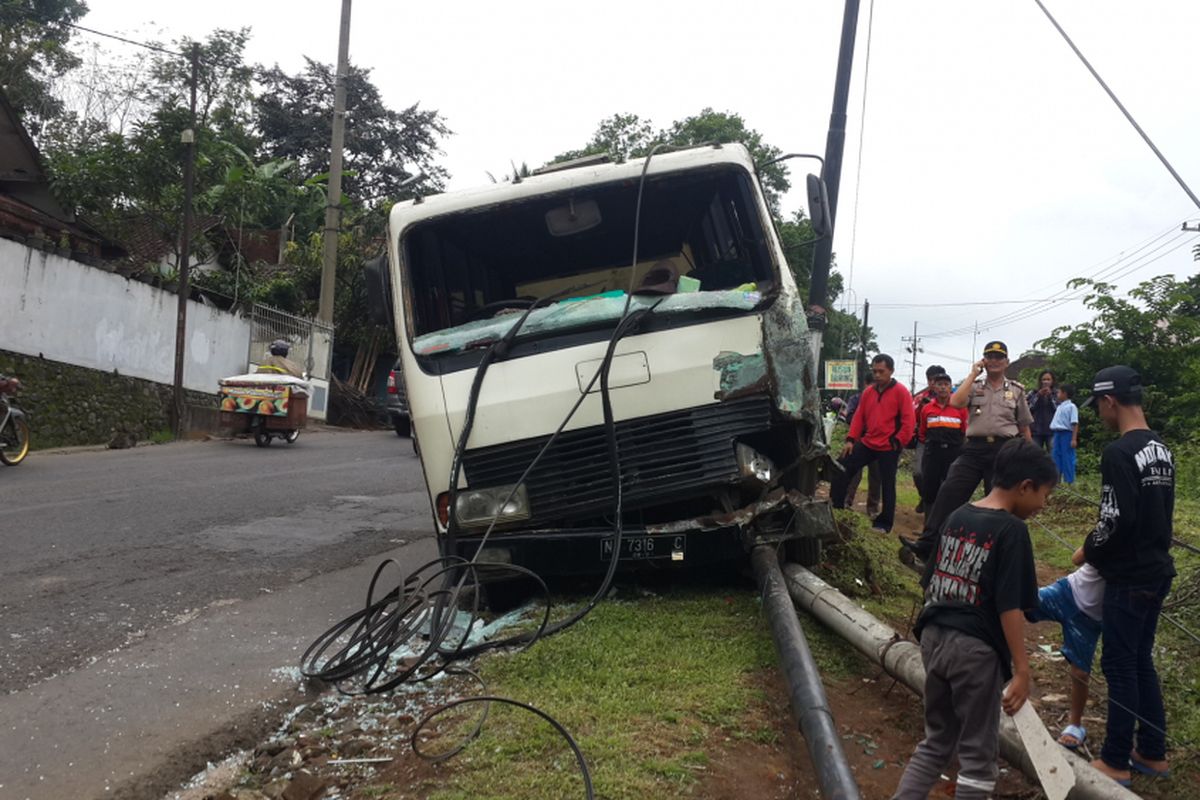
311 340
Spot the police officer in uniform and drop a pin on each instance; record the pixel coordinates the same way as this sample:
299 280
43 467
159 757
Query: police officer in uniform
996 412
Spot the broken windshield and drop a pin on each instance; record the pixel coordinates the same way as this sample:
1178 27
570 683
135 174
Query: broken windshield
578 313
703 249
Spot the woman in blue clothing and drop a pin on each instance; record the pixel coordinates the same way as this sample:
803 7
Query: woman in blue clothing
1064 427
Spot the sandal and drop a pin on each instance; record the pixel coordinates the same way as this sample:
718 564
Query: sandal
1105 769
1143 768
1077 733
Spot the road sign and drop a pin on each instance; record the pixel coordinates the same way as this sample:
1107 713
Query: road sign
841 374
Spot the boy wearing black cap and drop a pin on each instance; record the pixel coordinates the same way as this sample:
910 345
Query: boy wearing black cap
1130 547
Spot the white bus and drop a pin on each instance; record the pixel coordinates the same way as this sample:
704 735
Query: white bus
713 391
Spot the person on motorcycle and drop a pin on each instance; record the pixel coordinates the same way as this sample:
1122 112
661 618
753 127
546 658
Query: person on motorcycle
277 361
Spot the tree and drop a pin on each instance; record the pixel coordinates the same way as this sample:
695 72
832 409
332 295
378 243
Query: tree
135 176
625 136
1154 330
224 93
33 39
383 147
620 136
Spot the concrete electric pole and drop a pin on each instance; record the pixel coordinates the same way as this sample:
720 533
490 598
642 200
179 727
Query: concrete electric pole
185 248
914 347
334 196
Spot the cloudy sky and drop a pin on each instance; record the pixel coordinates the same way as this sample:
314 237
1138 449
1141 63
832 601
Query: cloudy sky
993 167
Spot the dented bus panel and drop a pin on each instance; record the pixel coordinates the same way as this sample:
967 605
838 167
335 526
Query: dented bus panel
713 394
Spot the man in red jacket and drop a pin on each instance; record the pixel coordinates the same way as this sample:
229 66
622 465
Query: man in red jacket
881 426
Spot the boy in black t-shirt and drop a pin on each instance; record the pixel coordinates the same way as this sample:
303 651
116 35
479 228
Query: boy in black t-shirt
1130 546
978 584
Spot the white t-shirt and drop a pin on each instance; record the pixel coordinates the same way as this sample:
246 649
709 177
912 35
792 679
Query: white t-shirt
1088 589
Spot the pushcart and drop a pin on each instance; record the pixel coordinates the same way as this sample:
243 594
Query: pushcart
265 406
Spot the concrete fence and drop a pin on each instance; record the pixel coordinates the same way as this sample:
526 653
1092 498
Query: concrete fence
64 311
95 351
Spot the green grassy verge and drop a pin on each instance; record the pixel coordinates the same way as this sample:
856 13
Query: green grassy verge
864 565
650 689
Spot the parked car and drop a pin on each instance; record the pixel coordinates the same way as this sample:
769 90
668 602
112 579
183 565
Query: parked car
397 402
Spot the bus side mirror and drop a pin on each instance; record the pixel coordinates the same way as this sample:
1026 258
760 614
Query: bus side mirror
379 291
818 207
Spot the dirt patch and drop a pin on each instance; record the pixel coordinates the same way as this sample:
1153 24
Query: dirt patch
880 723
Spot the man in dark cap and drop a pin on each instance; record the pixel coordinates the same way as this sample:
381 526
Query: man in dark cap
920 400
1130 547
940 428
996 412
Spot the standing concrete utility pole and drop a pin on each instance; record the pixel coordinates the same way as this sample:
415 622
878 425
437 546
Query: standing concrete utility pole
914 347
862 360
334 195
185 246
835 143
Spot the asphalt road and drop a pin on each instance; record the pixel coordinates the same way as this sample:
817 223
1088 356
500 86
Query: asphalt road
124 573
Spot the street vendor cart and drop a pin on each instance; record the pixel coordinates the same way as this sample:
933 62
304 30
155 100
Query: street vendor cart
264 405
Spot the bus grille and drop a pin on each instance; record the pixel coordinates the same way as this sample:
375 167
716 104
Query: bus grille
663 457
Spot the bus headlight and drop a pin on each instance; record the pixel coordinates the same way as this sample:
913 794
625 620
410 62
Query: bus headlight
753 464
477 507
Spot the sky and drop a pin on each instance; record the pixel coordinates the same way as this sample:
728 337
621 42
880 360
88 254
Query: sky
993 167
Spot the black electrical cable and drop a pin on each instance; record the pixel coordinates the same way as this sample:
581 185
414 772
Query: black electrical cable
562 731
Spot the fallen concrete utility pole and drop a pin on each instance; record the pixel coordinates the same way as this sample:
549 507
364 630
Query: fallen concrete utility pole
809 703
901 659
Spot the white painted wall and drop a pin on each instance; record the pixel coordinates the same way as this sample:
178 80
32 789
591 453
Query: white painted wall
81 315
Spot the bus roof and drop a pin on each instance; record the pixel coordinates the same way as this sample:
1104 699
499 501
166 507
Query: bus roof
407 212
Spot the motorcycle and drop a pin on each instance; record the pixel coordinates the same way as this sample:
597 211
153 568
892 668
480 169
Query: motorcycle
14 425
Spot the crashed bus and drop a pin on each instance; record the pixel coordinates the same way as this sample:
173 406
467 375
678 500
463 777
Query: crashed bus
714 407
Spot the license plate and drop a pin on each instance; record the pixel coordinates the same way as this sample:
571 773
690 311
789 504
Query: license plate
640 548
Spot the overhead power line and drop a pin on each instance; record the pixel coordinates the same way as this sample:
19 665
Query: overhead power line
862 128
1025 300
1124 111
134 42
1121 268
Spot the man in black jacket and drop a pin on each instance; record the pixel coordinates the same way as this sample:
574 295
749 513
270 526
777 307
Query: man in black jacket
1130 547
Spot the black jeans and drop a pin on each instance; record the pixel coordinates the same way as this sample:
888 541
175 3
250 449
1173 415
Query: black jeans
1044 440
934 469
974 464
1134 695
860 457
855 479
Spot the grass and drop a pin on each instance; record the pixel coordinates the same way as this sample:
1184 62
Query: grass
162 437
650 688
864 565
